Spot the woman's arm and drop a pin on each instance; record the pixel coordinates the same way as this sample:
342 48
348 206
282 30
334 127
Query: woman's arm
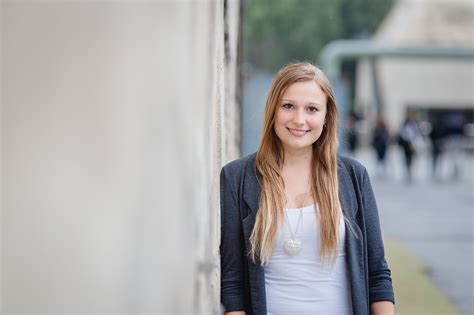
235 313
231 247
381 308
380 281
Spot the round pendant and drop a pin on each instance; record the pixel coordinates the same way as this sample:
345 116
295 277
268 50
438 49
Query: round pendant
292 247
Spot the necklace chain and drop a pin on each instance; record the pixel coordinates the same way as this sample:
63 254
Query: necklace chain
300 216
297 225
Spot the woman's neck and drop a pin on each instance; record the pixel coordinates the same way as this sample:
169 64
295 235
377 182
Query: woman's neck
297 159
296 174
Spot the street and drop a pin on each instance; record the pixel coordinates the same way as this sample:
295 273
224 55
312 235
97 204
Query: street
433 218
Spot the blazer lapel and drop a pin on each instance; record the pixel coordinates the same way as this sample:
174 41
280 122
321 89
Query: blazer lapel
251 189
348 201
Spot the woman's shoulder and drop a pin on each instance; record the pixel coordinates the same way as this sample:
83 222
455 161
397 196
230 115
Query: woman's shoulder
238 165
351 165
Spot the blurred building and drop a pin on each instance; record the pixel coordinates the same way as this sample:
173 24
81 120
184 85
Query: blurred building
430 85
116 119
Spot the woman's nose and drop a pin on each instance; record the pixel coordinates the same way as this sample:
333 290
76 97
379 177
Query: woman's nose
299 117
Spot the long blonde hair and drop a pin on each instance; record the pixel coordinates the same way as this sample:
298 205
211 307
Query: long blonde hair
269 162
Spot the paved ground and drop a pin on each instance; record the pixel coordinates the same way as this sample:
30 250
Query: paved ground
432 218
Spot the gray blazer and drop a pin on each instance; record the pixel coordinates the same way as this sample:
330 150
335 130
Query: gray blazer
243 282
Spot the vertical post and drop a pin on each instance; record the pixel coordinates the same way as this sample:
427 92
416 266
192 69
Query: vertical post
341 92
376 86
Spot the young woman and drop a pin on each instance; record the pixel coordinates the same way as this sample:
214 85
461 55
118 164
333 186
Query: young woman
300 231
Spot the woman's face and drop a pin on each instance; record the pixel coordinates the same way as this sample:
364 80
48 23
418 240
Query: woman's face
300 116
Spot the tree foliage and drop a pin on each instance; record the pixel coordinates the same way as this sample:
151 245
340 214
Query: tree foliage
278 31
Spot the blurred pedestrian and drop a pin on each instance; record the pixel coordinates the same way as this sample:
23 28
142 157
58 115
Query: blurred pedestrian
408 137
438 135
351 132
300 232
380 142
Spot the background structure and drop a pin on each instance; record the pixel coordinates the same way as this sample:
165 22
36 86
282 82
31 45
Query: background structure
417 83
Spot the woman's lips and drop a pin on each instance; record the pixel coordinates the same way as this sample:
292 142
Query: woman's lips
297 132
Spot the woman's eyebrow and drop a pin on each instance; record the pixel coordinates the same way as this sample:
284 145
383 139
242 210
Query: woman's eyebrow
292 101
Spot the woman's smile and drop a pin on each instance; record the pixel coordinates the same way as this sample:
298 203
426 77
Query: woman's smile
298 132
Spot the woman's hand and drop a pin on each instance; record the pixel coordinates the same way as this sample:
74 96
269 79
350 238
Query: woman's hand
382 308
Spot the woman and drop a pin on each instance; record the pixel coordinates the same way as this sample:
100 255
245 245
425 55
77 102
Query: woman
299 225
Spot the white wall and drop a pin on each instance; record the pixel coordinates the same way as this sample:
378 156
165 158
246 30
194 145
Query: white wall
113 133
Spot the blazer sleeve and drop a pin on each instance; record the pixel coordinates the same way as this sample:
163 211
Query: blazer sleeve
380 281
231 246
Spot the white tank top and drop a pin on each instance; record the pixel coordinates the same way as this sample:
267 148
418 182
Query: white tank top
301 284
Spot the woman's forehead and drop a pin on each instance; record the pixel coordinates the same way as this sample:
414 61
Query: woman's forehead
306 91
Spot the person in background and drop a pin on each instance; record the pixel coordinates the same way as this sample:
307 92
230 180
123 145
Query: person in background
380 142
407 139
437 137
351 132
300 232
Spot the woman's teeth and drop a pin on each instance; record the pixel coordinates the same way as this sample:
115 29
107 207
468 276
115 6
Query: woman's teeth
297 132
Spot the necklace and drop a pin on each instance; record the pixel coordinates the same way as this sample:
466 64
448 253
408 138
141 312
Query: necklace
292 246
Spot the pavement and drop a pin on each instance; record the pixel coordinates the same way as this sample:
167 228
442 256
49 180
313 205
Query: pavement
432 217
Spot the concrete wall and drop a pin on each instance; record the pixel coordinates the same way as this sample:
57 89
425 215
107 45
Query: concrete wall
116 118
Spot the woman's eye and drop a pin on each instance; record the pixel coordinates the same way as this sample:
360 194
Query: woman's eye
287 106
312 109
